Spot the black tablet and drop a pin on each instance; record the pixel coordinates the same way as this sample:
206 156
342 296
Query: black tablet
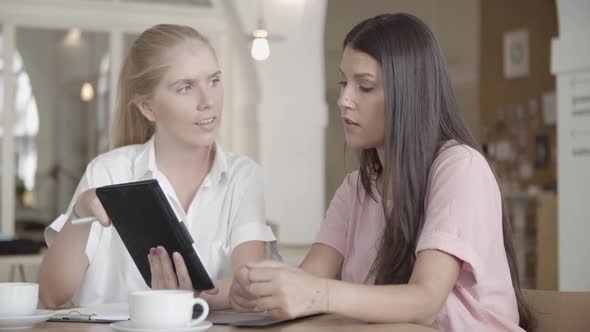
144 219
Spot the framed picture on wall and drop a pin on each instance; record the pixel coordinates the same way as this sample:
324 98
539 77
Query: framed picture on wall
542 151
516 53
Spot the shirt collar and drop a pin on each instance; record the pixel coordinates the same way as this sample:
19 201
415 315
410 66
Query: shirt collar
219 167
145 164
145 161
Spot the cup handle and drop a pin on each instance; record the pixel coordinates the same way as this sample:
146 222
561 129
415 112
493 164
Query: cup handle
204 314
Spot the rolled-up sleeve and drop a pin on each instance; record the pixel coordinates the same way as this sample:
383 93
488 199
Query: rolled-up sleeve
55 227
463 213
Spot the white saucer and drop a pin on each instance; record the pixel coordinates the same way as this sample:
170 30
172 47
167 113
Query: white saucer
25 322
126 326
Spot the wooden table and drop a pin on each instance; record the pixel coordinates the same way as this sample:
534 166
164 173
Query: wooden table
330 323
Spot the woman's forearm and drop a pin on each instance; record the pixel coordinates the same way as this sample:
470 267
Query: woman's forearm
221 299
64 265
387 303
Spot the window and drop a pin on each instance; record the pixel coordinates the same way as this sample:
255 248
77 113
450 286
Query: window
26 123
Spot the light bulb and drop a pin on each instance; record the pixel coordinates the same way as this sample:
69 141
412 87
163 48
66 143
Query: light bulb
87 92
72 38
260 49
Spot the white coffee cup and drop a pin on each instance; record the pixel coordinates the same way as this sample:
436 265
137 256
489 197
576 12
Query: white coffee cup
18 299
162 309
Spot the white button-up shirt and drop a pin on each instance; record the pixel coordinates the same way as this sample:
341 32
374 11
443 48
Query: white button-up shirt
227 210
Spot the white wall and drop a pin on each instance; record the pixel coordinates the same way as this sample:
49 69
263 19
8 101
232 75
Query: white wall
242 123
571 64
292 114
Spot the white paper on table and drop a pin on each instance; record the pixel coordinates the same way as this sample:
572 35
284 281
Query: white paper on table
102 312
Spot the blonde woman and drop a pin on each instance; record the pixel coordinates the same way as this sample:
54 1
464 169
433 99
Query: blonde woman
169 108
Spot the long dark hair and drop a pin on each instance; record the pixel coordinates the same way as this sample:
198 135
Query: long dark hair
421 114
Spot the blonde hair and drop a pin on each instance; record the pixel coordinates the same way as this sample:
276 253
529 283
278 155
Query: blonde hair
141 72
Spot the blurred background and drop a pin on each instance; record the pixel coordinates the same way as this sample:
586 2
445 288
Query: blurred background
520 70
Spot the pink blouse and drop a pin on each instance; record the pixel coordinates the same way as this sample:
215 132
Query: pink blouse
463 218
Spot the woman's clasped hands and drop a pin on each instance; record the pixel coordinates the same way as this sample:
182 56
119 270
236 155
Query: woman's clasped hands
278 289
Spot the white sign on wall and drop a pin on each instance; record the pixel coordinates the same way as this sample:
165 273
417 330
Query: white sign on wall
570 62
